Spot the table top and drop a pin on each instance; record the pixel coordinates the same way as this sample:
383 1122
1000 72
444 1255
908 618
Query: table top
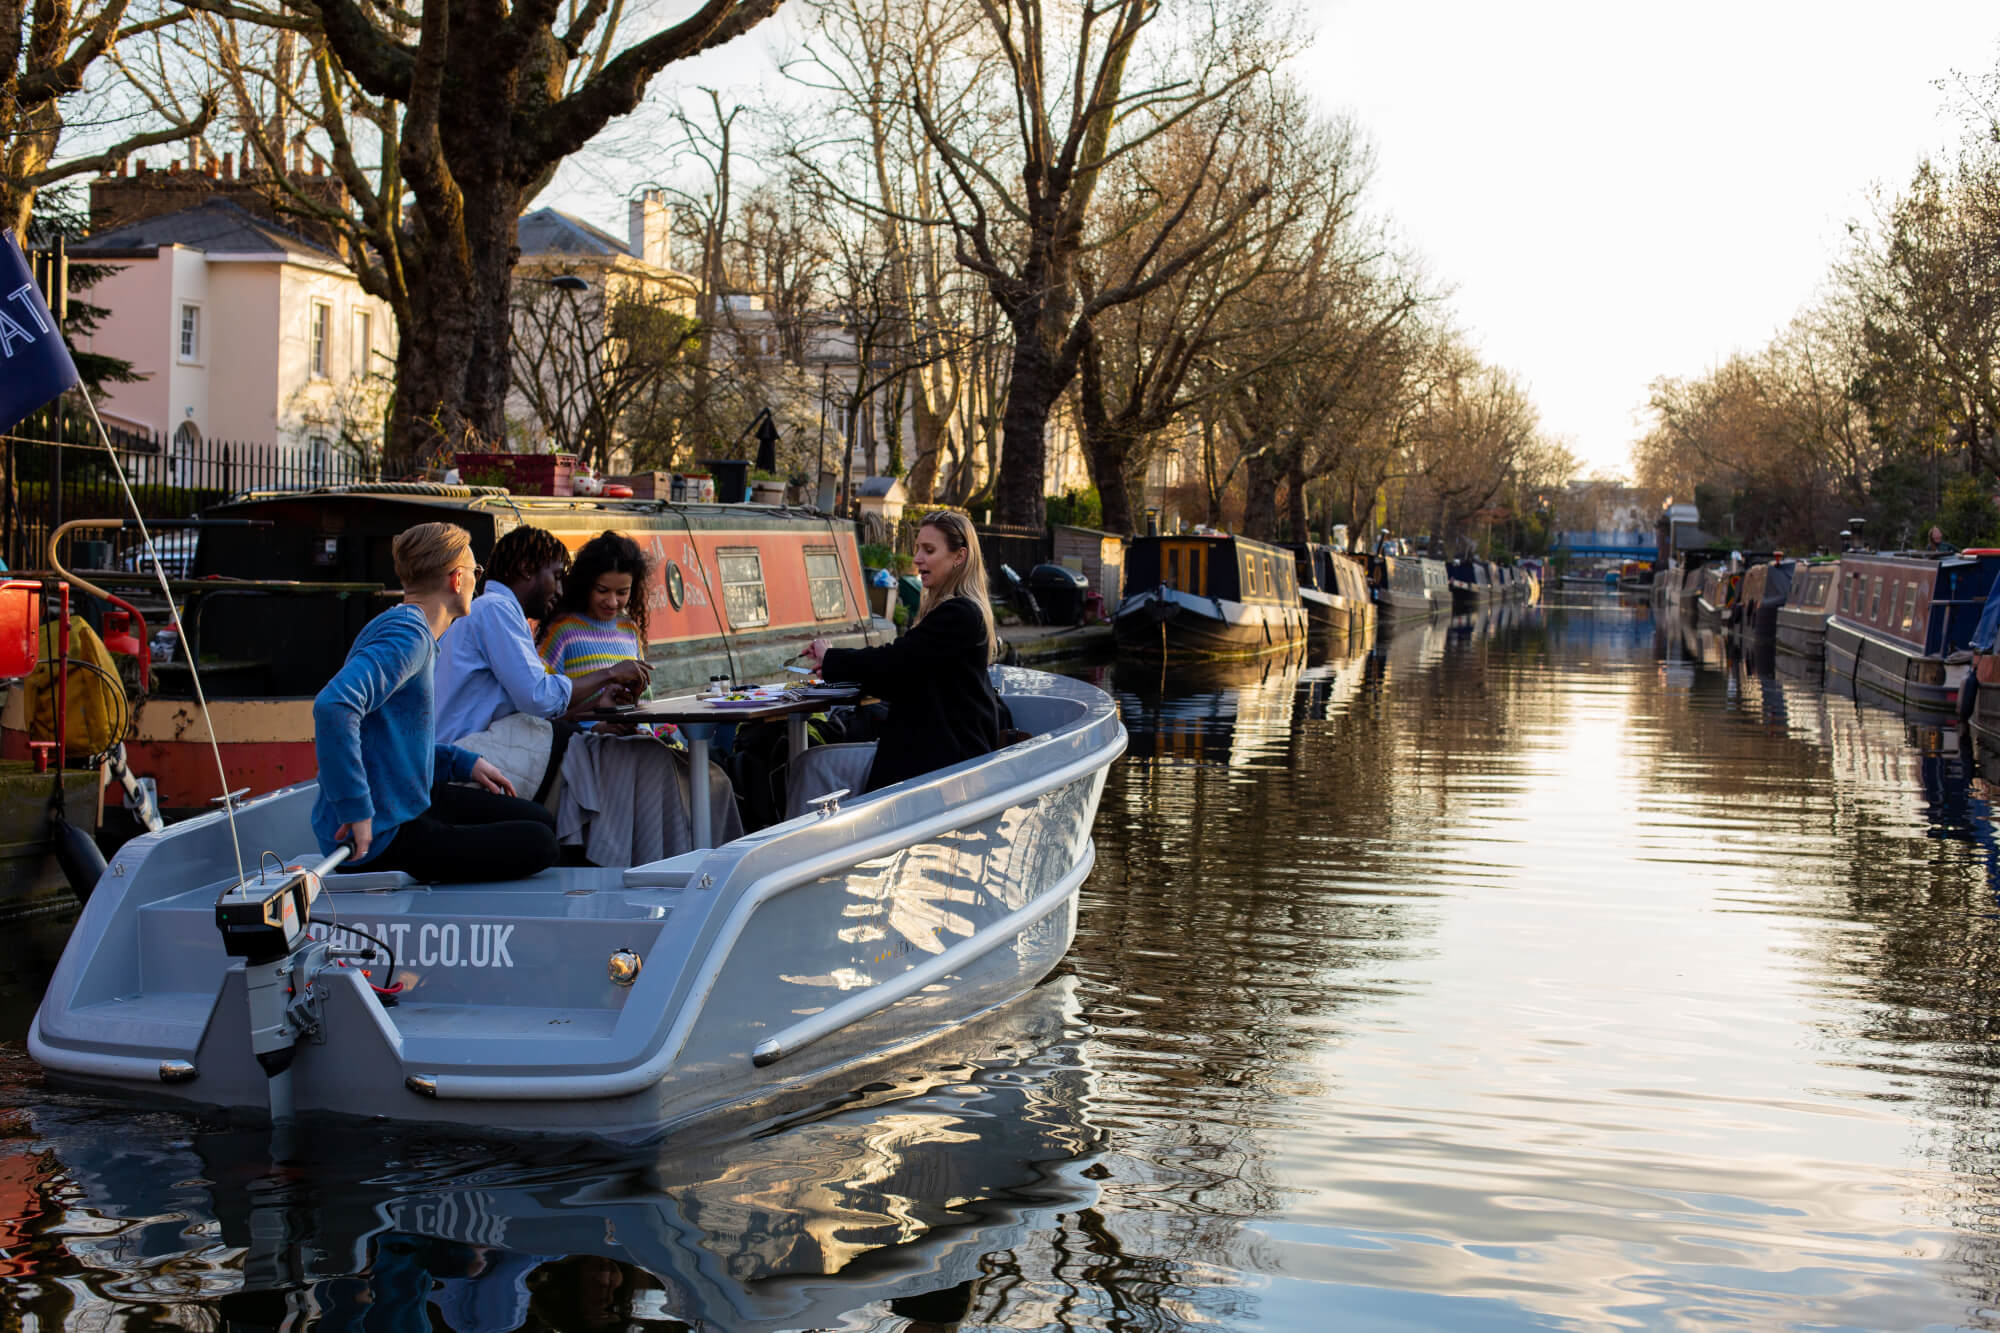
685 708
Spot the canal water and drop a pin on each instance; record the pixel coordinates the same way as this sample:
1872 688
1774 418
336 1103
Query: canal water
1541 970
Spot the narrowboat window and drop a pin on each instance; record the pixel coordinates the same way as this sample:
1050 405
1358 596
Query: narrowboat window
676 586
828 587
1847 592
1173 567
1875 601
743 588
1910 610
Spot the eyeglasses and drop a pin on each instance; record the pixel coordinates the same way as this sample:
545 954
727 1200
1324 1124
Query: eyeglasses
478 572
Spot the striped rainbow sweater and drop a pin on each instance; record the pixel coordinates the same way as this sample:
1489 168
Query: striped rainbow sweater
577 645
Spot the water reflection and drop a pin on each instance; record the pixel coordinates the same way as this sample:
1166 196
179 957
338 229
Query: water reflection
901 1203
1546 967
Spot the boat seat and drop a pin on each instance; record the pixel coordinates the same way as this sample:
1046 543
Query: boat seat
826 768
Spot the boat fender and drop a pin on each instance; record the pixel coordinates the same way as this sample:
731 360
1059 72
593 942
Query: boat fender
78 855
1968 695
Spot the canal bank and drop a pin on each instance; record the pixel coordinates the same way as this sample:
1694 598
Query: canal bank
1036 645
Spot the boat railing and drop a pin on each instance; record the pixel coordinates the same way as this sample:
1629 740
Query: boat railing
748 874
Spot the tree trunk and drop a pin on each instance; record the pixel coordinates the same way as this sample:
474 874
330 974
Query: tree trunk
1031 393
1260 505
1108 450
928 434
452 371
1295 503
1106 446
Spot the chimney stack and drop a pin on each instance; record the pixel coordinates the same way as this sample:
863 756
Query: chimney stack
651 231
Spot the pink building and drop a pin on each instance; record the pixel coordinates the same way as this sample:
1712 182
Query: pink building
244 331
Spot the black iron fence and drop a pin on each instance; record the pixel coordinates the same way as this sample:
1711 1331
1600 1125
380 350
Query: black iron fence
1020 548
56 469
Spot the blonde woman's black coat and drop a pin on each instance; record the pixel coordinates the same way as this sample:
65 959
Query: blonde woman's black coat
941 704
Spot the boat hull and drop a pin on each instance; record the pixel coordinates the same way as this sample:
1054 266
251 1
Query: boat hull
767 965
1890 671
1469 597
1802 633
1165 622
1330 615
1394 604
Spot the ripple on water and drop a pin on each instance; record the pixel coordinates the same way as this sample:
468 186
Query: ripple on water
1526 972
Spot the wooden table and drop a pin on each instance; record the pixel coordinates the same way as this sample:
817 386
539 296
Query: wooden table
698 716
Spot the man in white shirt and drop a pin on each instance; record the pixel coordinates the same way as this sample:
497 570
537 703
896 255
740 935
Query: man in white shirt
623 800
488 666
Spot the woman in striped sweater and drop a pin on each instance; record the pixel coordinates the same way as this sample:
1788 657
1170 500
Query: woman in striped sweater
600 617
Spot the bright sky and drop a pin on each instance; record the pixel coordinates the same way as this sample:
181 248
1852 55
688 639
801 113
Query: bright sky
1619 192
1614 192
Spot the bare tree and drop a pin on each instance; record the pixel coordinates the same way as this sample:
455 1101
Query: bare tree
1083 89
583 360
872 64
467 108
46 52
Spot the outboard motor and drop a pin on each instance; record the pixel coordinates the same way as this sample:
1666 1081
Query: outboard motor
1021 597
264 921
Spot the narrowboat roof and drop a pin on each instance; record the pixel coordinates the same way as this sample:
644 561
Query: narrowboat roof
1219 537
539 509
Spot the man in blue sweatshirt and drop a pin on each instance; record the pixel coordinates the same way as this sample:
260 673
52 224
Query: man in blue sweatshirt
372 734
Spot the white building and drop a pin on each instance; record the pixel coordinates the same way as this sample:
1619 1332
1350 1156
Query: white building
244 331
569 282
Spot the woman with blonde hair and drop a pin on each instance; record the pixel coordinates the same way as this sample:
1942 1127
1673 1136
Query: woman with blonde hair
942 709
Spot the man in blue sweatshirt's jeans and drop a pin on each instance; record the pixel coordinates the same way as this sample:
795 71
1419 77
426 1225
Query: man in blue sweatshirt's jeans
372 734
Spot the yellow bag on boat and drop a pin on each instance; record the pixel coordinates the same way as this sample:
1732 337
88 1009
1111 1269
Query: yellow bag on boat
96 711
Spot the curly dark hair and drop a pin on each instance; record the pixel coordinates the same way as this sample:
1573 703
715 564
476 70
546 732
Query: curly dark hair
606 553
522 553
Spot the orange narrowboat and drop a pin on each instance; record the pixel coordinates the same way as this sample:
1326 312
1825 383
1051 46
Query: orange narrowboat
271 607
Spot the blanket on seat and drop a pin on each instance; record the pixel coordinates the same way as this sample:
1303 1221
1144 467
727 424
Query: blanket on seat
626 800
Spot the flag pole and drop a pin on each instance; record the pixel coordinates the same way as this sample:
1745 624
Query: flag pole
180 630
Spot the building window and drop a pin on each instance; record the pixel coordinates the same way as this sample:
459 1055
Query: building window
829 589
190 333
319 455
361 362
322 326
743 588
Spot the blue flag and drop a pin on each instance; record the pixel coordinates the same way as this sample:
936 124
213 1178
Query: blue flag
34 362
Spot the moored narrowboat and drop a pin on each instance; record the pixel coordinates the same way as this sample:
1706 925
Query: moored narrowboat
1409 587
1716 597
1207 595
1765 588
1472 583
1801 621
1334 590
1902 625
271 610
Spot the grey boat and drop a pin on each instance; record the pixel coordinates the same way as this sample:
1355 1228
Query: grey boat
582 1000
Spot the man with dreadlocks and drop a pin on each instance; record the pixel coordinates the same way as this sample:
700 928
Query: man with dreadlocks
623 800
488 665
